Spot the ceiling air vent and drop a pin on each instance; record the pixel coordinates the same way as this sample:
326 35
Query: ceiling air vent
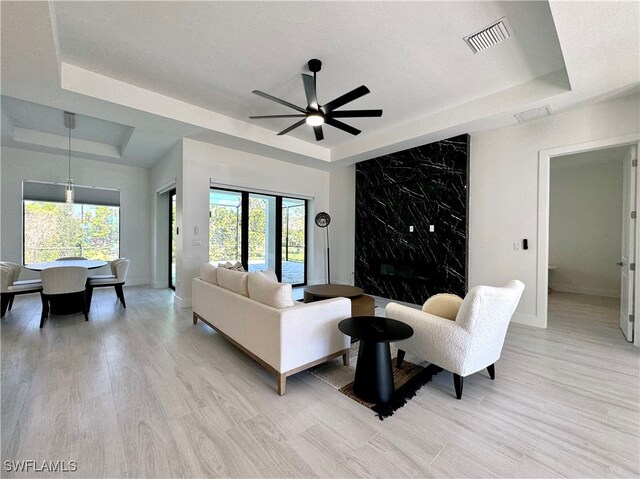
489 36
533 114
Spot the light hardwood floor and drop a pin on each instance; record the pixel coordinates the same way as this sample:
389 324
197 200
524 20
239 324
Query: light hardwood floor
142 392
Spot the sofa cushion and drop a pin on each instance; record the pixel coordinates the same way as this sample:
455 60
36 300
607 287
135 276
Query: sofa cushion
266 291
209 273
235 281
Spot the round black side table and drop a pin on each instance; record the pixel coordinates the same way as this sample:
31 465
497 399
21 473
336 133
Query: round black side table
374 374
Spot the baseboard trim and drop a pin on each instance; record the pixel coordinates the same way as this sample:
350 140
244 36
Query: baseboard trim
528 320
182 302
567 288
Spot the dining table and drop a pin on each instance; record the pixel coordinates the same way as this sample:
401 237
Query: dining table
61 304
85 263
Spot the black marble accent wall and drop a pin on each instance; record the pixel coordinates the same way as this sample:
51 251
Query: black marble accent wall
411 222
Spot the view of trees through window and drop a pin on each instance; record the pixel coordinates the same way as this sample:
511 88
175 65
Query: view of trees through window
54 230
225 232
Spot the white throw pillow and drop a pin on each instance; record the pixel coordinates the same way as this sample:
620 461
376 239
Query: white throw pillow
444 305
209 273
266 291
235 281
269 274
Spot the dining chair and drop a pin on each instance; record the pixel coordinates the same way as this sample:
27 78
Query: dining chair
119 268
66 283
10 287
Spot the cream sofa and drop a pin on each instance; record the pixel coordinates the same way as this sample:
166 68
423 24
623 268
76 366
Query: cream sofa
283 336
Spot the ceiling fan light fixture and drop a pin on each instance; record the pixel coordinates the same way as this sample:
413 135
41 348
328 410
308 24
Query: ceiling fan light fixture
314 119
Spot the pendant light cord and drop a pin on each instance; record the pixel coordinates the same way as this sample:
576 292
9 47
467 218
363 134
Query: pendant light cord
69 177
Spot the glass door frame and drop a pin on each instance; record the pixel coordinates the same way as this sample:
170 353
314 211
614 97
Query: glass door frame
172 227
244 246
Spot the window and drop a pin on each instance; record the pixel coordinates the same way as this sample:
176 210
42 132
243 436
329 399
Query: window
52 230
259 230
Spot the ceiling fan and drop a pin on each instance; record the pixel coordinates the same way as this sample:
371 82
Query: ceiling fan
315 114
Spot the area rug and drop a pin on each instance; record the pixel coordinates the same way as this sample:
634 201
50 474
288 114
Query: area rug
407 380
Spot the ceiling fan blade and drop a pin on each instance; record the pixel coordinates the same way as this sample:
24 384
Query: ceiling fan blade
292 127
310 90
318 131
277 116
355 113
344 99
278 100
341 126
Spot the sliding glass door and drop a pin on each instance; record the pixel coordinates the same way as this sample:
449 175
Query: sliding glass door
225 226
261 231
294 240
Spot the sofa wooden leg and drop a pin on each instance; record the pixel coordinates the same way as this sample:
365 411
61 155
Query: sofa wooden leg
195 318
457 382
282 383
492 371
345 359
6 299
11 301
400 358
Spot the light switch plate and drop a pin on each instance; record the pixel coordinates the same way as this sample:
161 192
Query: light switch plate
432 228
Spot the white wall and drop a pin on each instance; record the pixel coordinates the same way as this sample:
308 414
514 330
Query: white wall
135 212
342 231
504 191
585 225
202 161
165 172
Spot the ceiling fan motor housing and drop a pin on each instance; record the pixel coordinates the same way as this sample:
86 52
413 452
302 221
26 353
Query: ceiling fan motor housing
314 65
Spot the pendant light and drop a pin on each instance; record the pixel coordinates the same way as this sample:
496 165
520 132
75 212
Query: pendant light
70 123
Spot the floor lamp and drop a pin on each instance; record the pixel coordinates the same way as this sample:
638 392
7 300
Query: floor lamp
322 220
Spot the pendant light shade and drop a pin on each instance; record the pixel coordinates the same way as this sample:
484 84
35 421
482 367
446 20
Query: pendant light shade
70 123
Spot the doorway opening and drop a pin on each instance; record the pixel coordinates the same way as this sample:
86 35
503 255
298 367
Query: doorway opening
588 236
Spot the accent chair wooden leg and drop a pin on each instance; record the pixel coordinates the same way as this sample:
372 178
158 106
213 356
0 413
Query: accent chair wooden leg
345 359
11 298
45 309
120 294
88 296
457 382
492 371
282 383
195 319
400 358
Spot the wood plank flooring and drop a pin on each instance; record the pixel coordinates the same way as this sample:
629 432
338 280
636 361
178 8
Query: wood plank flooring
142 392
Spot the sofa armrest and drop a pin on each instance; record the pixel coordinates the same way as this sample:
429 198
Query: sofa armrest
309 331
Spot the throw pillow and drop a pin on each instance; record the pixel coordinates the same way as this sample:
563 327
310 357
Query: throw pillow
266 291
209 273
444 305
235 281
237 266
269 274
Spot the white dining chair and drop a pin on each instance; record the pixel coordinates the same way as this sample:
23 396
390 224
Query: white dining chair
10 286
67 283
119 269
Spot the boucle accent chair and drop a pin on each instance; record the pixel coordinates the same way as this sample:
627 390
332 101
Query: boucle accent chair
468 344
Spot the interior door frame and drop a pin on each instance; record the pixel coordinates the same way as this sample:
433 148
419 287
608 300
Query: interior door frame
542 247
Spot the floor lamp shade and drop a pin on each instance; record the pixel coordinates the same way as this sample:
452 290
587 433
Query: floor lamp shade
322 220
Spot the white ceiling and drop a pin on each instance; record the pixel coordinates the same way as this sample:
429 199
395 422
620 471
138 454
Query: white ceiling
158 71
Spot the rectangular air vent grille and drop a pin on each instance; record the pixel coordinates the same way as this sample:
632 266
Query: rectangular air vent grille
533 114
488 36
